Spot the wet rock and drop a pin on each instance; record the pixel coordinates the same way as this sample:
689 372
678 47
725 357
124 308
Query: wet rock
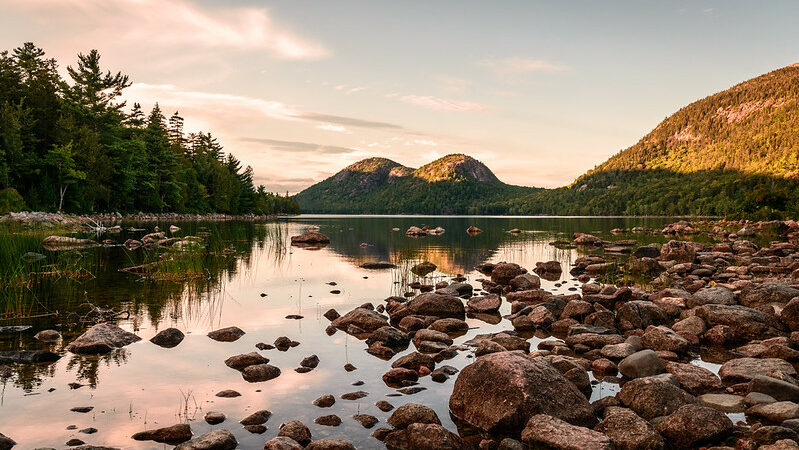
769 435
296 430
431 304
82 409
696 380
644 363
255 429
214 417
310 362
423 436
790 314
410 413
330 444
450 325
331 420
240 362
264 346
325 401
774 412
428 335
28 357
6 442
74 442
692 325
260 372
168 338
744 369
282 343
215 440
365 319
501 391
378 265
716 295
693 425
549 270
101 338
331 314
168 435
639 314
366 420
399 376
228 393
652 397
503 273
423 268
746 323
282 443
484 304
48 336
525 282
390 337
767 293
257 418
647 251
354 395
727 403
550 432
311 237
229 334
415 361
627 431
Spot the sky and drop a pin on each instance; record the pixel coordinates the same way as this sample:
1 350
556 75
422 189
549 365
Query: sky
540 91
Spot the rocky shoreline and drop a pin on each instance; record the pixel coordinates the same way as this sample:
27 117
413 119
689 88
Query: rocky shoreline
642 319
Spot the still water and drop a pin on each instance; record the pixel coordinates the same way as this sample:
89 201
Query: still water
250 277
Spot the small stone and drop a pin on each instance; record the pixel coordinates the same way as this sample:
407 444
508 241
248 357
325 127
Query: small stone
214 417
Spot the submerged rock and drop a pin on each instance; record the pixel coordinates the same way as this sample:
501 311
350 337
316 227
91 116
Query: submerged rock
168 435
28 357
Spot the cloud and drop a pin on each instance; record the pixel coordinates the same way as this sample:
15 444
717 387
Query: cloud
294 146
174 23
440 104
348 121
334 128
517 66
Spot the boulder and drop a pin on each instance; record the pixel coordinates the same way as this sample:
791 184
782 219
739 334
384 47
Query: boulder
260 372
525 282
639 314
652 397
543 431
168 435
310 237
485 304
678 251
663 338
503 273
746 323
47 336
240 362
168 338
776 388
644 363
696 380
282 443
549 270
411 413
363 318
330 444
431 304
694 425
296 430
768 293
214 440
774 412
715 295
728 403
101 338
229 334
499 392
627 431
423 268
790 314
390 337
27 357
424 436
744 369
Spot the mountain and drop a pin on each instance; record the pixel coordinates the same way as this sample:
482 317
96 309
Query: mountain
454 184
732 153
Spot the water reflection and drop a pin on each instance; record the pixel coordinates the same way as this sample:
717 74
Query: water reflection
249 276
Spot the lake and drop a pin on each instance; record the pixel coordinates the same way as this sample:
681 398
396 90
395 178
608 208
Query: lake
247 275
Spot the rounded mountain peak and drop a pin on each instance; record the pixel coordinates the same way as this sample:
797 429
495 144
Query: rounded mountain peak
456 167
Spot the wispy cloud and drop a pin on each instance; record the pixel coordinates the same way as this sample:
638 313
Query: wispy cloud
438 103
174 23
294 146
334 128
348 121
517 66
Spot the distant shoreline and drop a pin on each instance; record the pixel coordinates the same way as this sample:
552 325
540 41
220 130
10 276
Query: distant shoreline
48 219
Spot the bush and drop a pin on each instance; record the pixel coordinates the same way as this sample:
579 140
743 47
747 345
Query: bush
10 200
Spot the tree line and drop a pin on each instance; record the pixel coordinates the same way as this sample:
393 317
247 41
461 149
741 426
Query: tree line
72 145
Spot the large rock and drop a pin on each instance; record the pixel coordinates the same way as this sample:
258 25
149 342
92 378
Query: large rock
227 334
311 238
652 397
790 314
769 293
410 413
639 314
296 430
240 362
330 444
431 304
363 318
746 323
260 372
503 273
168 435
525 282
774 412
716 295
678 251
101 338
27 357
744 369
424 436
779 389
550 432
390 337
628 431
696 380
282 443
6 443
663 338
168 338
215 440
485 304
644 363
694 425
501 391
